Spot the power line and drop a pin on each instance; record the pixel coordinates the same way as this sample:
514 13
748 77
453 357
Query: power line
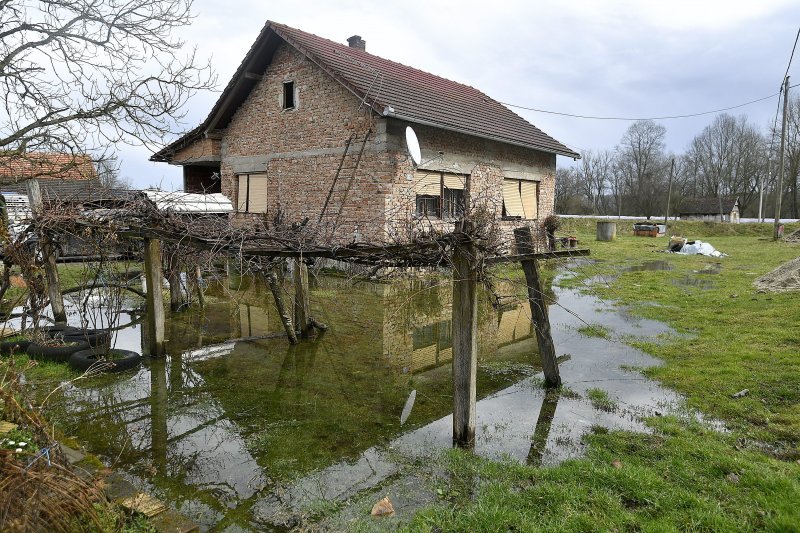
791 56
666 117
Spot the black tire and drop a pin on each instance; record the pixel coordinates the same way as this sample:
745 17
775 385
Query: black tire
8 347
97 359
95 337
59 330
55 353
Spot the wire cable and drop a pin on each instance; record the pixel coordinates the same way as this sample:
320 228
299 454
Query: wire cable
665 117
791 56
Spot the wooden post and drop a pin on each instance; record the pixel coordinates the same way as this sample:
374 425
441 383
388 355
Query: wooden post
539 315
276 287
302 306
176 299
155 295
48 252
198 278
465 340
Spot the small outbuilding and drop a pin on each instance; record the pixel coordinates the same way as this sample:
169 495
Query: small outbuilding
712 209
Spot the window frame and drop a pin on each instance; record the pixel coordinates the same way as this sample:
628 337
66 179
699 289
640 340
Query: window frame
247 201
289 88
444 206
537 192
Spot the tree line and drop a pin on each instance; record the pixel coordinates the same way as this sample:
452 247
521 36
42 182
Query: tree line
731 157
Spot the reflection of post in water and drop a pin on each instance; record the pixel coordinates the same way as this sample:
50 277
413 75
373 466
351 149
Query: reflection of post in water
543 424
158 413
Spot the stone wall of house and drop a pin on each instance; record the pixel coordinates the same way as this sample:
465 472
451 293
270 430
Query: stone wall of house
486 162
300 150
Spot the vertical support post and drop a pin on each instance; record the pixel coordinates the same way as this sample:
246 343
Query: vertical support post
48 252
539 315
465 339
155 296
276 287
176 299
198 278
302 306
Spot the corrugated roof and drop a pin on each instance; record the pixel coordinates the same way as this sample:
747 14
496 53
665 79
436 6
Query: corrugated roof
184 202
390 88
708 206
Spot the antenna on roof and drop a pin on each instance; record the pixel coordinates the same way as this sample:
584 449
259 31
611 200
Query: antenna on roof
412 144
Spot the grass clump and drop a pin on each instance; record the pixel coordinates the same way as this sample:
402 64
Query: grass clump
601 400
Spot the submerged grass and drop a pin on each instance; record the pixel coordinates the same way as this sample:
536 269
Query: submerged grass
684 476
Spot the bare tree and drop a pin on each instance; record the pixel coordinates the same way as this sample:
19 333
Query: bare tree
108 175
566 193
642 165
78 76
792 171
728 159
594 175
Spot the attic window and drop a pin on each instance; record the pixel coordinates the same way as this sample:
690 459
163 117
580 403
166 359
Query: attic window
288 95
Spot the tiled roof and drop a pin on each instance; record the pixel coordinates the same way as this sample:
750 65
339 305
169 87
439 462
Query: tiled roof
707 206
46 165
391 89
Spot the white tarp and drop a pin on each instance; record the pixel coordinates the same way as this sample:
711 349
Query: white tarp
700 248
184 202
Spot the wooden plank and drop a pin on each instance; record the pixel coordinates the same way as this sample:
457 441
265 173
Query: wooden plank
539 313
155 296
48 252
144 504
465 340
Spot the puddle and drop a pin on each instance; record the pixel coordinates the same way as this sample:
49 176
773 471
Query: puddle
694 282
650 265
710 268
248 433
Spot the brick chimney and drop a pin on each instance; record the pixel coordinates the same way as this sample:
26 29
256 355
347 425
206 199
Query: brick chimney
357 42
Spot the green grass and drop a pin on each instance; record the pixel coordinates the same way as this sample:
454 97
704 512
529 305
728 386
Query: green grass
601 400
595 330
683 476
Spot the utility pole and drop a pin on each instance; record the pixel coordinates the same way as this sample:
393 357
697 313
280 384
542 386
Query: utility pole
779 190
669 189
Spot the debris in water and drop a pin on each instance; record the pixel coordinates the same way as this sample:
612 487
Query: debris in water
383 508
741 394
408 406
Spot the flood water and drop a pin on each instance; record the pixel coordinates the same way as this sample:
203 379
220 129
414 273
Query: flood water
245 434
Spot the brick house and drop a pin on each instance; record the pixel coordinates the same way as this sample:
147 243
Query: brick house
313 128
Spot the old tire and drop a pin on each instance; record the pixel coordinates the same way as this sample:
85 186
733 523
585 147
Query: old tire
60 354
95 337
8 347
98 358
59 330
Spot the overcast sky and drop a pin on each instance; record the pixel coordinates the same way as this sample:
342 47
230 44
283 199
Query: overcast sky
587 57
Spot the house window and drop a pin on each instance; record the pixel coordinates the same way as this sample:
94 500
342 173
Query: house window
439 194
251 193
288 95
428 205
520 199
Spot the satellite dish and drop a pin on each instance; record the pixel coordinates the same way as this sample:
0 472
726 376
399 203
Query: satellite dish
413 145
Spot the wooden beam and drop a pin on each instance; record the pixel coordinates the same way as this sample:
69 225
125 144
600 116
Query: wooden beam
465 339
155 296
48 252
539 315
